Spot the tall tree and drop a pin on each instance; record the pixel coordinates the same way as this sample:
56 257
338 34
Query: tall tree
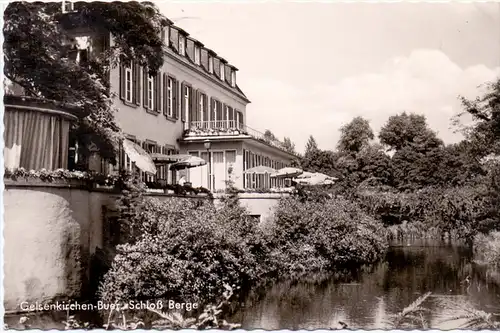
288 145
408 130
269 136
484 133
355 135
38 57
311 146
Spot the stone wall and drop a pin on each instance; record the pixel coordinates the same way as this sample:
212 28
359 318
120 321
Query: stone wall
51 231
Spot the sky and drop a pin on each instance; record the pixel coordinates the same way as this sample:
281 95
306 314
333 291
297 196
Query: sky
310 67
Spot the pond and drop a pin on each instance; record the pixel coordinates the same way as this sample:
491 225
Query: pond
366 299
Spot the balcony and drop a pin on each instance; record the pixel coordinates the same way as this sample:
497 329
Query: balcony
229 128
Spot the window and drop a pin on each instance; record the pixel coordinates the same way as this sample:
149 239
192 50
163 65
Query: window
170 97
215 111
151 90
166 36
182 45
211 64
197 55
129 84
201 106
187 100
222 72
67 6
233 78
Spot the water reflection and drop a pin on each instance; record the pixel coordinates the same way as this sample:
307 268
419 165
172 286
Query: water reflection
367 299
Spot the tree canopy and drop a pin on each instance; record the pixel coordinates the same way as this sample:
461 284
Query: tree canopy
38 48
408 130
355 135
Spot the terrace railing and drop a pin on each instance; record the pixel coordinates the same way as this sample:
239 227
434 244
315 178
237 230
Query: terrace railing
229 127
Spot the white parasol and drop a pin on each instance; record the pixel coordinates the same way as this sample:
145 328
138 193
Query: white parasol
190 162
287 173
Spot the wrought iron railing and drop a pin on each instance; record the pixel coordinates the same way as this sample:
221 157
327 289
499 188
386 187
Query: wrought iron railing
229 127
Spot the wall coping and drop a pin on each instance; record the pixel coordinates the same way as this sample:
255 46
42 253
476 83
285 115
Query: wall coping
82 185
255 195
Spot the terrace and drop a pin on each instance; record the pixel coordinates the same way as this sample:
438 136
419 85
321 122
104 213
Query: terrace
229 128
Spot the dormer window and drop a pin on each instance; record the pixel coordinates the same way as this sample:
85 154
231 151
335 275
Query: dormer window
68 6
211 64
182 45
222 72
233 78
166 36
197 55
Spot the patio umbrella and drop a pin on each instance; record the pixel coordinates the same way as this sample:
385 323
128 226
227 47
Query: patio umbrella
315 179
162 158
139 156
190 162
261 170
287 173
305 175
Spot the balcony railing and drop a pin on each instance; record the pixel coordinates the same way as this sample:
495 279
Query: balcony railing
228 128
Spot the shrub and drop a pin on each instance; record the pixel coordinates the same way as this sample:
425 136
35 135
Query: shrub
312 234
185 250
487 248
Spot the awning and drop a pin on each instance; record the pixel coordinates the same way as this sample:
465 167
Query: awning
191 162
139 156
261 170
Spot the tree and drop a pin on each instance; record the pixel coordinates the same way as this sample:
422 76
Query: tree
269 136
355 135
485 110
311 146
38 52
322 161
408 130
288 145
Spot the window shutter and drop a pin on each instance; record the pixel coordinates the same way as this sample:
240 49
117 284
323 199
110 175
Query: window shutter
219 111
157 92
183 102
122 81
137 83
175 93
165 94
193 98
145 87
205 108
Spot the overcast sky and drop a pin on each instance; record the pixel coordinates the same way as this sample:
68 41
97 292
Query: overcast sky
308 68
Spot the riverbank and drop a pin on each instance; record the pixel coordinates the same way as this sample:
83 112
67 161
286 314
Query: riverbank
371 297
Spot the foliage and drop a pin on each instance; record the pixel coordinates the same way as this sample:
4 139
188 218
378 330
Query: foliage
322 161
289 146
184 249
269 136
412 316
485 110
404 130
209 319
311 146
487 248
355 135
39 52
60 174
463 210
318 234
471 317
